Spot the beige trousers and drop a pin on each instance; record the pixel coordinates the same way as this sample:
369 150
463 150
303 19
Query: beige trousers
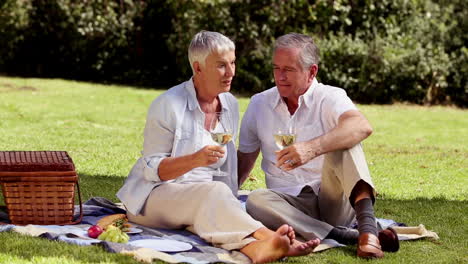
312 215
207 209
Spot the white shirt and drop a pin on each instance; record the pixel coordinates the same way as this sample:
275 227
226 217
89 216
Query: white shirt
175 127
318 112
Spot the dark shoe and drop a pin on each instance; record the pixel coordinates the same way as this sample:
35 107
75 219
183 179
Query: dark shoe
389 240
369 246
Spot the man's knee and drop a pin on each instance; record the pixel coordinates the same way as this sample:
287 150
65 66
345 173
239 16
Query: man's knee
257 199
335 158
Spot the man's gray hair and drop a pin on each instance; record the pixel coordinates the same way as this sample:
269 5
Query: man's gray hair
309 52
206 42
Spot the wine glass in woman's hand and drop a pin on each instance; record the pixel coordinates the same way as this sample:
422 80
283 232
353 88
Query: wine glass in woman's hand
221 132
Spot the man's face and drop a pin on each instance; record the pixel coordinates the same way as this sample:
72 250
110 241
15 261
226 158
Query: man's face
291 80
218 72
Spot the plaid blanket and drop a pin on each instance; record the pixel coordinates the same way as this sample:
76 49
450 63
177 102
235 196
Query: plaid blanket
201 251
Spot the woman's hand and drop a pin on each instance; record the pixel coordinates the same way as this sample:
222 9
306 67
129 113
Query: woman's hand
209 155
173 167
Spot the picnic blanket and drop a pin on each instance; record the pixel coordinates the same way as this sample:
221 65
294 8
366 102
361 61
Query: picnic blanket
201 251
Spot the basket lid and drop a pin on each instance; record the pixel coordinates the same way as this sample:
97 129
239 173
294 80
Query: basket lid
35 161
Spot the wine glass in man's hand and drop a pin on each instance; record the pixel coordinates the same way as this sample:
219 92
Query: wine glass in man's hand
285 135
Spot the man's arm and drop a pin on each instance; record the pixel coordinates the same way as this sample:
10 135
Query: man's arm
246 162
352 128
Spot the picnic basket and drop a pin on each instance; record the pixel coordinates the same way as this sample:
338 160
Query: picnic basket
39 187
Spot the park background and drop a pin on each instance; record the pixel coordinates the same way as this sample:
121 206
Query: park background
379 51
80 75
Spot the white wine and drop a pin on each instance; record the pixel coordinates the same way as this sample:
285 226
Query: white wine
221 138
284 140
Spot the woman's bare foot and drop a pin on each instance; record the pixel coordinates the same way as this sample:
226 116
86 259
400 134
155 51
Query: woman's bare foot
302 248
270 249
291 234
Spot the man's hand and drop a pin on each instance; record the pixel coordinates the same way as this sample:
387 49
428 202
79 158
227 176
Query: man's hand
352 128
298 154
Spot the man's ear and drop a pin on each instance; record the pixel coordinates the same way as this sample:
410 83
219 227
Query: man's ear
197 67
313 72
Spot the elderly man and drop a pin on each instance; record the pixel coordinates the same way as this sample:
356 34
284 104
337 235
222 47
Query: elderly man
321 183
172 185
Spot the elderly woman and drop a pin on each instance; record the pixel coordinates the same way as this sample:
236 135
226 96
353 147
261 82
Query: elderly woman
173 184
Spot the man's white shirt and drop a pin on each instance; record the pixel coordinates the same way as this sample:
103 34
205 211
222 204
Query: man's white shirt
318 112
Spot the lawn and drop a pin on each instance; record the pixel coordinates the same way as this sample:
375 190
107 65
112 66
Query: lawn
418 157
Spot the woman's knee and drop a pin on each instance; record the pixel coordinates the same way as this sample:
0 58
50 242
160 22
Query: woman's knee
214 188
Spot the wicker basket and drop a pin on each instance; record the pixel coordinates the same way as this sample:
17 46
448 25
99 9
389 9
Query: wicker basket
39 187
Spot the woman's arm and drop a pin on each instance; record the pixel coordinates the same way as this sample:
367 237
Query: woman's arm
173 167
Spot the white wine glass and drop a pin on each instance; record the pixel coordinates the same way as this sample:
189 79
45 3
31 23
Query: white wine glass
221 132
285 135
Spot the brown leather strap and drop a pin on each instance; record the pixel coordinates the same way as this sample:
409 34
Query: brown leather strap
77 221
370 240
3 207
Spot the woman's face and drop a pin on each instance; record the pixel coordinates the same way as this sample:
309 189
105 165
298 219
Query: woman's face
218 72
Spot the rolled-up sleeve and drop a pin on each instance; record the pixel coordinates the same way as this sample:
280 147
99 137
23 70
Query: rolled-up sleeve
334 106
158 137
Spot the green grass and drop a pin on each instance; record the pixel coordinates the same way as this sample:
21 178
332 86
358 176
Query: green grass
418 157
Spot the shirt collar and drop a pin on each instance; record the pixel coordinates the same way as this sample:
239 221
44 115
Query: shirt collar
306 97
276 100
192 98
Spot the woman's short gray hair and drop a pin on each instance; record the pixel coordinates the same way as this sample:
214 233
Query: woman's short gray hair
309 52
206 42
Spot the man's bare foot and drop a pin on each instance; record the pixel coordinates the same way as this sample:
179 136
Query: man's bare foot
269 249
302 248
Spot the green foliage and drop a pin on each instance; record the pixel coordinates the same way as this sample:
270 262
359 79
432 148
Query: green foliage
408 60
67 38
380 51
387 69
14 21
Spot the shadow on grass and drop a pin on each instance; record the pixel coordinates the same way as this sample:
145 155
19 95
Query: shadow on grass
447 218
436 213
100 185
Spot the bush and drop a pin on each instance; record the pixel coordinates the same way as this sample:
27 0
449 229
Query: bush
409 60
380 51
64 38
14 23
